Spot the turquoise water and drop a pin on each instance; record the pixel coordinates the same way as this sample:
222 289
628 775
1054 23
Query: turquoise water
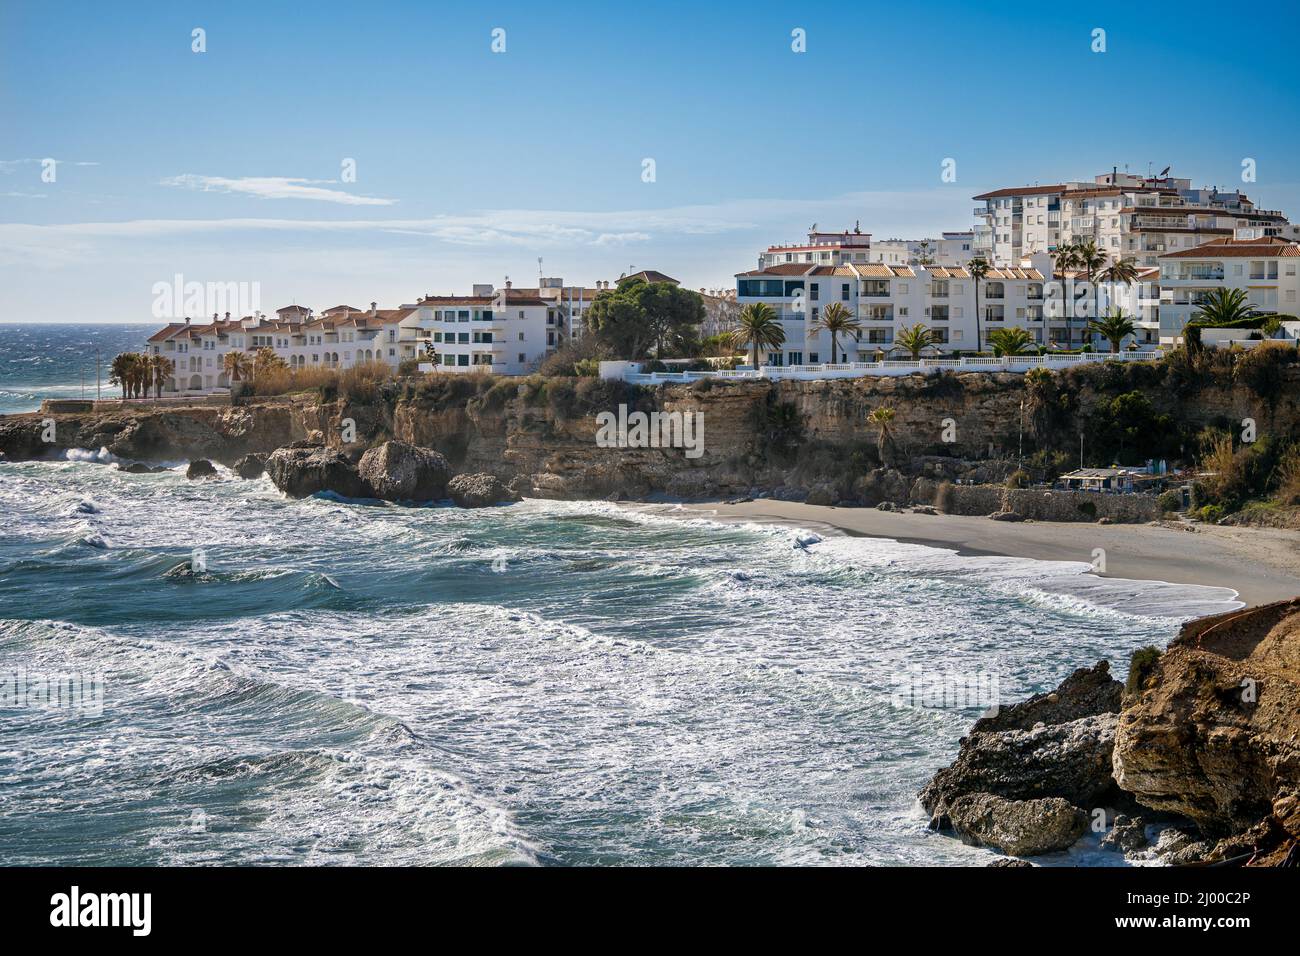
570 683
39 361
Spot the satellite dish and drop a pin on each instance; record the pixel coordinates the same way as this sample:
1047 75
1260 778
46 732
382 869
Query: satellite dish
1165 172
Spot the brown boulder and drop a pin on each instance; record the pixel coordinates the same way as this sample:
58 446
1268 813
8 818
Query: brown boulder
1214 732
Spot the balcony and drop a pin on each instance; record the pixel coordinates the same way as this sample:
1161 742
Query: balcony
1199 275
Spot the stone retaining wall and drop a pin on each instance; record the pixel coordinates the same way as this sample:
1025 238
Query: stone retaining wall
1040 504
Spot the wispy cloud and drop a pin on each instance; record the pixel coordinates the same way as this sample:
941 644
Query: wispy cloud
275 187
11 165
740 223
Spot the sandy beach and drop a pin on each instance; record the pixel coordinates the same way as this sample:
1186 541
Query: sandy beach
1260 564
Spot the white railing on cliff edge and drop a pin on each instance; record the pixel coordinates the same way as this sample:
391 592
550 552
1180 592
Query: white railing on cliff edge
631 371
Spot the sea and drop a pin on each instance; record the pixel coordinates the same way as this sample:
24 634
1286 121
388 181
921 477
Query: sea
47 360
207 672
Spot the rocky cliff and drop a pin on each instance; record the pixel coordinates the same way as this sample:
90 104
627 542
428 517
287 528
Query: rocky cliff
1204 742
791 439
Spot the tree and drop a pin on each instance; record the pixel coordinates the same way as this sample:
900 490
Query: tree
129 370
1221 307
638 315
1010 341
757 327
265 360
915 339
837 320
1064 258
978 269
236 364
161 368
883 419
1115 326
1091 260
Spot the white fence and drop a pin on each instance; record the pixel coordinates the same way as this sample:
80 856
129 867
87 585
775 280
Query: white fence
630 371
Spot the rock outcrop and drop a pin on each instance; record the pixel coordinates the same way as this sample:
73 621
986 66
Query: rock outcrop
1027 779
1017 827
200 468
302 472
392 471
396 471
478 491
1085 693
1071 761
1214 732
250 466
1207 735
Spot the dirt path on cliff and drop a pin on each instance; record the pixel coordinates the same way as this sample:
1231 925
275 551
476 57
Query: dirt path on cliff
1261 565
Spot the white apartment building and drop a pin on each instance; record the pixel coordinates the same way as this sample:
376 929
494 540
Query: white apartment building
1264 268
575 300
495 330
855 246
889 298
503 331
951 249
340 338
1126 216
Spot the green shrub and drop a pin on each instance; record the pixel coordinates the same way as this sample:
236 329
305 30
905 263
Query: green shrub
1018 478
1140 668
1261 369
1211 514
1170 500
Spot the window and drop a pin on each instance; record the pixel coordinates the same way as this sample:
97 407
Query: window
813 291
462 361
521 336
521 357
813 358
796 358
844 292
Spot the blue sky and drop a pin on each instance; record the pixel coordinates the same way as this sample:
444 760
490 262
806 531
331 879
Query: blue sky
225 166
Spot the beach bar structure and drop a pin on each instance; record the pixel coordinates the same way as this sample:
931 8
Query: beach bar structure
1113 480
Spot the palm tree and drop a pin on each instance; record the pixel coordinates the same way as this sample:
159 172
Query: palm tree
1115 326
236 364
161 368
1064 258
1219 307
1091 260
127 370
757 328
265 359
1120 272
883 419
837 320
915 340
1010 341
1223 306
978 269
